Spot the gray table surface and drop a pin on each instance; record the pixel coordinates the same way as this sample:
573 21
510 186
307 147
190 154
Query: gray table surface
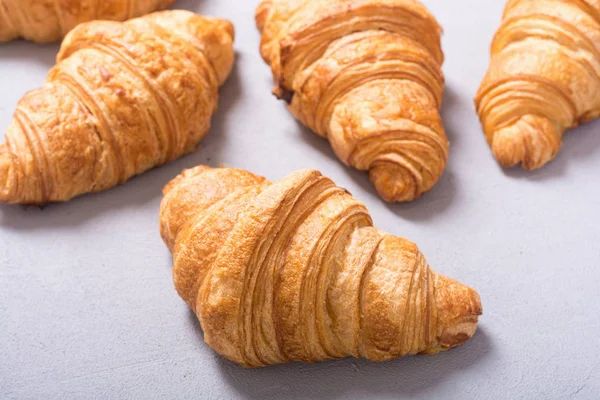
87 304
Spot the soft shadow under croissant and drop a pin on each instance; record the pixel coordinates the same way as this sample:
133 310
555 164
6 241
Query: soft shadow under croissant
295 271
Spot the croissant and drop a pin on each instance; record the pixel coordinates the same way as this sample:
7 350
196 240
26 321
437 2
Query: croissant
49 20
295 271
123 98
366 75
544 78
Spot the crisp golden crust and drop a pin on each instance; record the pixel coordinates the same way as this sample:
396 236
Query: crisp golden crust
123 98
544 78
49 20
366 75
294 271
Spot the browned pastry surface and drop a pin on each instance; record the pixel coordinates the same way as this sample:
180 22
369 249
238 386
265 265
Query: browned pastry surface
50 20
295 271
123 98
366 75
544 78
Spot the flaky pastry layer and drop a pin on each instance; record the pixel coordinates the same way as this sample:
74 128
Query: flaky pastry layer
366 75
295 271
123 98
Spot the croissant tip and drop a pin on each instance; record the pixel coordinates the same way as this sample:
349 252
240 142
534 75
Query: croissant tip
462 329
394 183
185 174
459 308
508 156
226 26
531 141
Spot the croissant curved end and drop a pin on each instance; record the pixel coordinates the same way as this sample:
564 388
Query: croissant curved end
181 196
394 183
261 14
532 141
459 308
170 221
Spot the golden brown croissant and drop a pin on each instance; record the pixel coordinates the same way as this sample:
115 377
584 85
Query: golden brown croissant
544 78
49 20
123 98
366 75
295 271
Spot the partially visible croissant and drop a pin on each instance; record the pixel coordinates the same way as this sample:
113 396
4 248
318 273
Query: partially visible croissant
366 75
544 78
295 271
123 98
50 20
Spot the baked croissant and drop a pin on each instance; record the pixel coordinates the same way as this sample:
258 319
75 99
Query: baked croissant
123 98
295 271
544 78
366 75
50 20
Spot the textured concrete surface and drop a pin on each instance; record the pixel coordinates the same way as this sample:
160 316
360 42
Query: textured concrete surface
88 309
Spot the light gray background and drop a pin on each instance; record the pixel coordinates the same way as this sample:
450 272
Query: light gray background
88 309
